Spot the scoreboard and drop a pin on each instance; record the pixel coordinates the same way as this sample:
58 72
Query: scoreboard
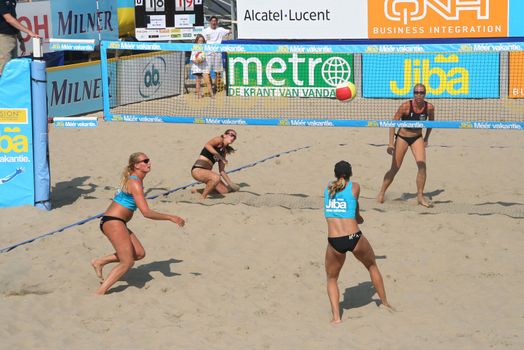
157 20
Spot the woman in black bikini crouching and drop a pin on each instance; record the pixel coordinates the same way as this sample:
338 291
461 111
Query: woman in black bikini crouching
413 110
215 150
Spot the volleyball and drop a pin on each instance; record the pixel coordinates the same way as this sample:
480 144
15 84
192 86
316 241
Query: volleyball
346 91
200 57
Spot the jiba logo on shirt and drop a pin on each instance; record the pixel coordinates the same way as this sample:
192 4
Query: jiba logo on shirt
338 203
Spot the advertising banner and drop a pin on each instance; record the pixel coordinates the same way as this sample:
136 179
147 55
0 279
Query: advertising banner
37 17
516 75
288 74
401 19
80 19
302 19
458 75
16 135
379 19
76 89
126 17
149 76
516 24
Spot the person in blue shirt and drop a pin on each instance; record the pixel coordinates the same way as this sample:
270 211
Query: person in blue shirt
10 29
342 214
114 222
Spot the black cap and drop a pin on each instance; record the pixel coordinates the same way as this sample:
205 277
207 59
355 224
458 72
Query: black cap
343 169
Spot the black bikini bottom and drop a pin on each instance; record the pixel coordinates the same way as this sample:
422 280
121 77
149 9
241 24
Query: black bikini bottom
107 218
409 140
345 244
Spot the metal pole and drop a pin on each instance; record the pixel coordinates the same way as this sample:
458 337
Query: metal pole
234 19
37 48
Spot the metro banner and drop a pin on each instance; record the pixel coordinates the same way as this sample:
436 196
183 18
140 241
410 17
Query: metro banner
288 74
457 75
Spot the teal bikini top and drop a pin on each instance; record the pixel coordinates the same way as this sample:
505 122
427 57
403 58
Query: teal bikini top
126 199
342 205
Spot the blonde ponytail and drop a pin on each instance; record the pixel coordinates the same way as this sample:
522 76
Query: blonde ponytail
336 186
126 172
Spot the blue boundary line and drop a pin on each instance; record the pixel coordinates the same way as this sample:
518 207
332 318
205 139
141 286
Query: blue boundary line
81 222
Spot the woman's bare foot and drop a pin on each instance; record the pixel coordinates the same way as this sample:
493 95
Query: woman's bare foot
98 269
99 292
422 201
333 321
380 197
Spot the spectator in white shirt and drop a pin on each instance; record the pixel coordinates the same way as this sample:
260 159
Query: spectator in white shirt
214 35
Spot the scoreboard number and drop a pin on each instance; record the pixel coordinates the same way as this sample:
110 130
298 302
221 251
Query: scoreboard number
155 5
186 5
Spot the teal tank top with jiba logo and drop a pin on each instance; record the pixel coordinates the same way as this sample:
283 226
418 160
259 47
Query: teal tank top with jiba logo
342 205
126 199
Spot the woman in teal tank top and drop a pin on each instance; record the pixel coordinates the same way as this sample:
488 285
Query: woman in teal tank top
343 216
114 222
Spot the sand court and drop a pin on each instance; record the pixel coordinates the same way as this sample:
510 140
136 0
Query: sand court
247 270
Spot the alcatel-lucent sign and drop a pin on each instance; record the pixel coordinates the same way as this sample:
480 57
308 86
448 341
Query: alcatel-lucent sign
379 19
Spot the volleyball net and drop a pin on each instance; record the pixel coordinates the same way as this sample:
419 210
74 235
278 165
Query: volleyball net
471 85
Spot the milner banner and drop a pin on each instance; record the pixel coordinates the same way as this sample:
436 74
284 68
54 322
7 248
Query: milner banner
76 89
458 75
288 74
65 19
81 19
379 19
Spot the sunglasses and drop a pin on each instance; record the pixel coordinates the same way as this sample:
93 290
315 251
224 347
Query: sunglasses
232 135
419 92
145 161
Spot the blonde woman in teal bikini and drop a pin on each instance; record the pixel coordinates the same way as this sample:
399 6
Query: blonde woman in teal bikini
113 224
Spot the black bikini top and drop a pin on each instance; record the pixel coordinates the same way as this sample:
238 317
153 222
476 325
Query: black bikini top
416 116
205 152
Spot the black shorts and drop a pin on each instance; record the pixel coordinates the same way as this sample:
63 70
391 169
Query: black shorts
345 244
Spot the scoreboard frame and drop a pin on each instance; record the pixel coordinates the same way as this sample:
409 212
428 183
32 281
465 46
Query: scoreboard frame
162 20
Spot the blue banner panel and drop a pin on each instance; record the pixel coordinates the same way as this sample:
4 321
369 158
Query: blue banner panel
516 24
454 75
16 135
75 89
80 19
